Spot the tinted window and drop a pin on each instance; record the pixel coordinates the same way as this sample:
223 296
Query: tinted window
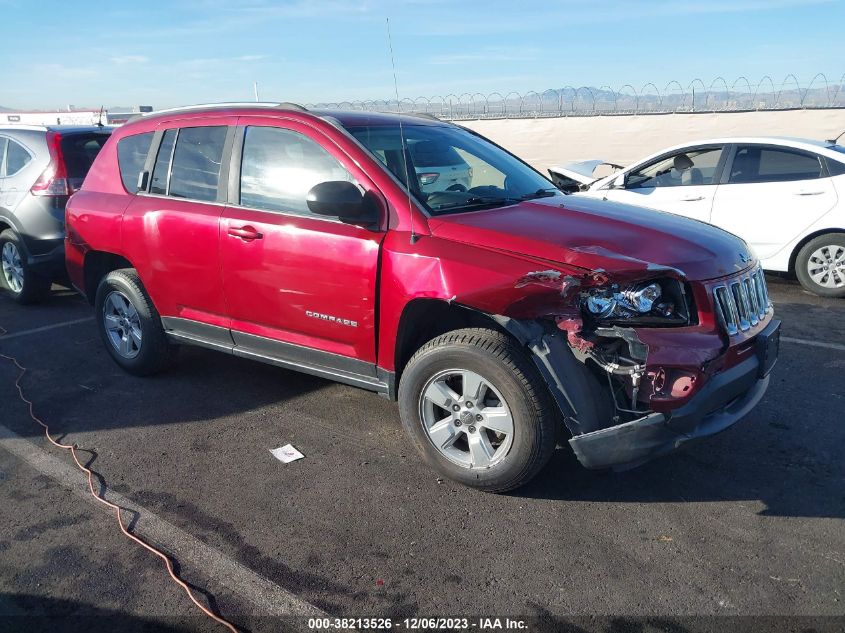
196 163
279 167
161 170
694 167
79 151
131 155
431 154
760 164
16 158
2 157
835 167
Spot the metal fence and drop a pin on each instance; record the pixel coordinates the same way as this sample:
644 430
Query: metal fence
697 96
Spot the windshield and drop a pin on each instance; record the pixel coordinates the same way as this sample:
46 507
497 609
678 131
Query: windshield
452 170
837 148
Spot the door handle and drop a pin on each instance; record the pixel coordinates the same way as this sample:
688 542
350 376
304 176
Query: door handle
692 198
809 193
247 233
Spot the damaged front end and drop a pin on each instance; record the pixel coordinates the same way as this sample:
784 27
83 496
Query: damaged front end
639 367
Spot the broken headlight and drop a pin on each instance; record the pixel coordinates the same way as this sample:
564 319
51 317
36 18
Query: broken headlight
657 302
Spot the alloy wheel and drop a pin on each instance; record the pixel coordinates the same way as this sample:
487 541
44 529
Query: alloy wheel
123 324
466 418
12 267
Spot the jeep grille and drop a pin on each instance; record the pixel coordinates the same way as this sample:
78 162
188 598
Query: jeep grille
742 302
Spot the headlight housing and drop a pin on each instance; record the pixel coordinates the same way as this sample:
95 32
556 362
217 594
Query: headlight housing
658 302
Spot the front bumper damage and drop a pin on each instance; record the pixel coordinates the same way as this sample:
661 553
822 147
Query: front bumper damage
726 397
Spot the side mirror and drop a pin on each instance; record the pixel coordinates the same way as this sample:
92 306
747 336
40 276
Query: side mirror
343 200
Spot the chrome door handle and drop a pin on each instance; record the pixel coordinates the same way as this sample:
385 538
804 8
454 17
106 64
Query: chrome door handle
692 198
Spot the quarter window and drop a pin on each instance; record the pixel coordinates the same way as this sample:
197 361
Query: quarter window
2 157
16 158
762 164
131 155
692 167
279 167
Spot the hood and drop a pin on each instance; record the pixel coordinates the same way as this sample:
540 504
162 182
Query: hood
580 171
599 235
580 175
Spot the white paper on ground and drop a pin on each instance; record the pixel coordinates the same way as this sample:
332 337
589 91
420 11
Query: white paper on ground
286 454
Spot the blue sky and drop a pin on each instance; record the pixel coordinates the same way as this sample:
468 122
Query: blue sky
166 53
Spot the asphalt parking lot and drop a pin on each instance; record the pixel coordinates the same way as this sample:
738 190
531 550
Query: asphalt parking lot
748 523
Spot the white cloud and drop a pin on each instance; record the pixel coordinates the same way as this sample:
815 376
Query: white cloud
129 59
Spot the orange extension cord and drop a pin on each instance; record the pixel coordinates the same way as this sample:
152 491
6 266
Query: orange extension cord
72 448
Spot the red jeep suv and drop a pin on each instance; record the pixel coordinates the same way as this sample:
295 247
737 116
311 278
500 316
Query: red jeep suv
502 315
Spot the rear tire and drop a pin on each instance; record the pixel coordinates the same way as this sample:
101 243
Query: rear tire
130 326
820 265
504 428
24 285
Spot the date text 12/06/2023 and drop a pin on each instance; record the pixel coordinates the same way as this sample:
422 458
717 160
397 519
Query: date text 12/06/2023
419 623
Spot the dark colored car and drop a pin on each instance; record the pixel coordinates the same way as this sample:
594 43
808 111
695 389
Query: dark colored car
502 317
40 167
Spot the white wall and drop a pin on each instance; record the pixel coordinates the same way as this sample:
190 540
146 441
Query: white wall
77 117
623 139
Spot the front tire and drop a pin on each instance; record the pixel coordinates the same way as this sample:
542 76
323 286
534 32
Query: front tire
476 408
820 265
23 284
130 326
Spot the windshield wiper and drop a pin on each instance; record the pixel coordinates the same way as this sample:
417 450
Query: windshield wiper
540 193
475 201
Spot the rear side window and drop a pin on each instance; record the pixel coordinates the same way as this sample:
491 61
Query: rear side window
131 155
79 151
196 163
2 157
16 158
835 168
762 164
279 167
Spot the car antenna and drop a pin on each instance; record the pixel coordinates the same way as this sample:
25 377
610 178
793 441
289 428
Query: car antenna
414 236
832 141
100 118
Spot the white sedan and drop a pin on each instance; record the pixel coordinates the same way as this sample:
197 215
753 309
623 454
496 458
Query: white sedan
785 197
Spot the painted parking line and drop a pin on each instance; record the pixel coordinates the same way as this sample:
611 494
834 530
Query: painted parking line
804 341
268 598
45 328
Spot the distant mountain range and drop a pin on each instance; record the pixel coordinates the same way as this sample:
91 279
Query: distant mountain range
588 99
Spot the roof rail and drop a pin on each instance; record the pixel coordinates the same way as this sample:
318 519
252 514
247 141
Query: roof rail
229 104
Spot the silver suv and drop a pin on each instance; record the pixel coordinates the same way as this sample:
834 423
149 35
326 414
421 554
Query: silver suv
40 167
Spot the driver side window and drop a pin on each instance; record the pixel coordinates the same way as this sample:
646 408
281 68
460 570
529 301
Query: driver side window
280 166
683 169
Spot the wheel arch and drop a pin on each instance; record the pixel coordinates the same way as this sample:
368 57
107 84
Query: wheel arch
97 265
424 319
806 239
